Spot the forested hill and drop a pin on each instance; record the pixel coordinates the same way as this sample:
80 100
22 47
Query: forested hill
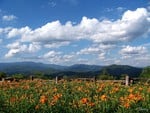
28 68
118 70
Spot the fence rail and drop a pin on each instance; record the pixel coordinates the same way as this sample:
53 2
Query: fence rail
127 81
113 81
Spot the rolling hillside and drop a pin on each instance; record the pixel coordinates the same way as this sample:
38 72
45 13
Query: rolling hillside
28 68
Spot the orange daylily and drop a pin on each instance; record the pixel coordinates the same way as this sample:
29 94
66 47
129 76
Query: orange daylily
43 99
84 100
103 97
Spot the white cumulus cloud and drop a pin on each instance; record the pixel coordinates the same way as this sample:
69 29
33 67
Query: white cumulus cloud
90 50
132 25
133 51
15 48
19 48
18 32
33 47
129 50
56 44
9 17
51 54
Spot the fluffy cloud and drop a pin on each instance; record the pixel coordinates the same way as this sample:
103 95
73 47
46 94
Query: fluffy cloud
56 32
132 25
52 32
57 57
5 30
104 46
51 54
143 60
9 17
90 50
15 48
130 51
33 47
120 9
96 49
18 32
101 56
18 48
56 44
99 52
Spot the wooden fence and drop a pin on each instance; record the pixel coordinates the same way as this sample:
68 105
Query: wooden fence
127 81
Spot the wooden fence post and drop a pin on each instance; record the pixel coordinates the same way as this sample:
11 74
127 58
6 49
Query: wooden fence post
3 79
56 79
127 80
31 77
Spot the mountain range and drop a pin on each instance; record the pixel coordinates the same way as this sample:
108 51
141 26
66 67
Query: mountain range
28 68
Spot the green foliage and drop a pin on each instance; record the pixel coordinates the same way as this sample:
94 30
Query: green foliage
39 75
105 75
122 77
2 75
105 72
65 77
18 76
146 72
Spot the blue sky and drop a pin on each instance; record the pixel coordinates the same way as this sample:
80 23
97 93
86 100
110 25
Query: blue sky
67 32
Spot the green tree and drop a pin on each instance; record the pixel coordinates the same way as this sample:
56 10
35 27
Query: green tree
39 75
18 76
2 75
65 77
105 75
105 72
123 76
145 72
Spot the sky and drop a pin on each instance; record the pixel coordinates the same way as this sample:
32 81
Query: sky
67 32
